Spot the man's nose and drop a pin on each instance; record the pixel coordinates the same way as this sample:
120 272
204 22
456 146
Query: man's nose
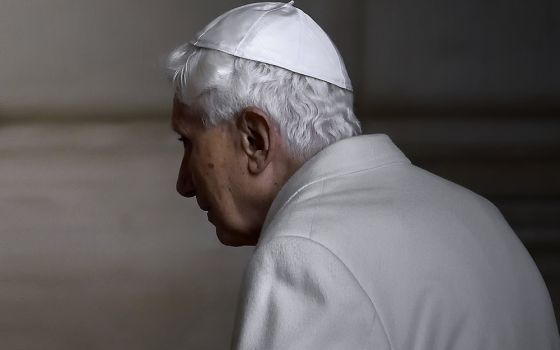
185 185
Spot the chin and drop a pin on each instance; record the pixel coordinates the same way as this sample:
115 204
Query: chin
235 239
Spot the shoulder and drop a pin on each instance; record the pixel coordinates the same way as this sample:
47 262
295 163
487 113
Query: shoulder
302 261
304 266
298 294
293 252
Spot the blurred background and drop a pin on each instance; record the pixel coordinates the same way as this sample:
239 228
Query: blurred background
97 251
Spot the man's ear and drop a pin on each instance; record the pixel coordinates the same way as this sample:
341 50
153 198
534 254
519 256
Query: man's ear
256 138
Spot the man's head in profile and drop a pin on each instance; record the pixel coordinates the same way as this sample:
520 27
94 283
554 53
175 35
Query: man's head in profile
357 247
258 92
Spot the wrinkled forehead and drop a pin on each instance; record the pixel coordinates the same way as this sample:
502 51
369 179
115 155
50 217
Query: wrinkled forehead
203 71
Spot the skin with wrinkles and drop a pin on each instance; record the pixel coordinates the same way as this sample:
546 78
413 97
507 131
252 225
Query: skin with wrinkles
234 169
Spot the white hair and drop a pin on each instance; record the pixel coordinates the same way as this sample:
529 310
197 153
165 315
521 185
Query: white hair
310 113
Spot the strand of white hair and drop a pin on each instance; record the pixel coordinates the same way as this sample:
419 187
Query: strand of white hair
310 113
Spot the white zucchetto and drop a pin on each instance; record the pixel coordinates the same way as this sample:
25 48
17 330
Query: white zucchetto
278 34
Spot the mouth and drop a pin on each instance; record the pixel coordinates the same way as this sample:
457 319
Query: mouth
201 205
210 218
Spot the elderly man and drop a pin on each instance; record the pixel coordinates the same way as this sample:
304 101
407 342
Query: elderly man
356 248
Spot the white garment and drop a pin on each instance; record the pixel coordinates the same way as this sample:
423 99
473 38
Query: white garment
279 34
362 250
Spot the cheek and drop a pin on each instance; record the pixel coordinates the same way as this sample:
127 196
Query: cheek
211 178
229 195
218 169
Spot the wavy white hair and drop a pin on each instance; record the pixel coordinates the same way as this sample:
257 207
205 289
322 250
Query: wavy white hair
311 114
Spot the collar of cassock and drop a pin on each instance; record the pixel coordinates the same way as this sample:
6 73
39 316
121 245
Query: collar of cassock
343 157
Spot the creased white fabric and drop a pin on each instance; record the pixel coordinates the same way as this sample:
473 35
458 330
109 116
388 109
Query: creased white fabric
279 34
362 250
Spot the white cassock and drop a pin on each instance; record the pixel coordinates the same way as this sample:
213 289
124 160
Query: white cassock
362 250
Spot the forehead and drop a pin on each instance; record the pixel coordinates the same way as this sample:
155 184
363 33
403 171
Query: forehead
184 118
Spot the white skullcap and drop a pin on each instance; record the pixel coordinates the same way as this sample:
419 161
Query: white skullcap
278 34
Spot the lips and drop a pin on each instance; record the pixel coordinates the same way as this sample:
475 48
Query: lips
202 205
205 207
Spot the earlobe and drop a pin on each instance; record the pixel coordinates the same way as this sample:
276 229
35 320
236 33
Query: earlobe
255 131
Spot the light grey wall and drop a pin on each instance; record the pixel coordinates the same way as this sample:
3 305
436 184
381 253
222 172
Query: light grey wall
465 52
82 55
104 55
